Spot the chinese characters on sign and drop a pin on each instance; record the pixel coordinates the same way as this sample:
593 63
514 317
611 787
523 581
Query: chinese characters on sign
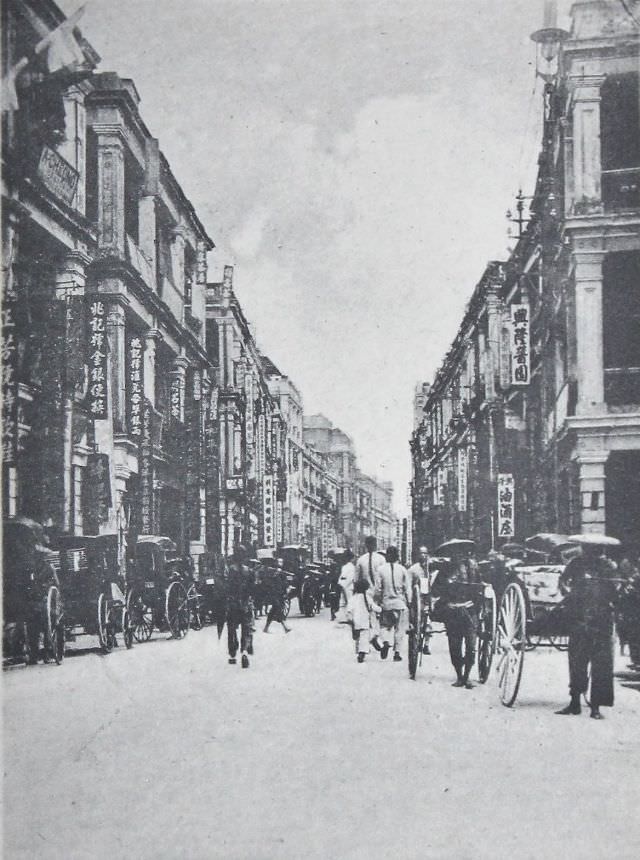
260 447
506 506
268 511
99 486
462 479
135 393
177 398
324 542
9 380
248 390
146 473
519 343
279 522
96 317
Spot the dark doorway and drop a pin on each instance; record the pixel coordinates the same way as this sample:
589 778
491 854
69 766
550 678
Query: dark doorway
623 497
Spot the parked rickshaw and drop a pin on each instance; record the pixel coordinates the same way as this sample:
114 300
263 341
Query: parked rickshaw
92 589
157 597
32 603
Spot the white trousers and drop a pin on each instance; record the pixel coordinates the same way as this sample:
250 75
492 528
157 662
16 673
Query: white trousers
394 627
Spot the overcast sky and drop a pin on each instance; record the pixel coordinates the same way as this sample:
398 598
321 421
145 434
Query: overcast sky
353 159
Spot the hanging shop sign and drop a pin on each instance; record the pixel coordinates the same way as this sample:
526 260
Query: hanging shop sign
96 334
325 538
135 388
520 340
146 473
506 505
98 486
260 447
462 478
177 398
9 379
213 404
279 522
268 513
58 175
248 390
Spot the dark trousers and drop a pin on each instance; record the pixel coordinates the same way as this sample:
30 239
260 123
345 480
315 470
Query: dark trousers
587 647
462 649
244 620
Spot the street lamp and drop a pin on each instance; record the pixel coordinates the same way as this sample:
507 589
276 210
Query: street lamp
549 38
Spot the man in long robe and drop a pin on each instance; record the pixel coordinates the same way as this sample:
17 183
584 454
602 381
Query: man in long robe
366 567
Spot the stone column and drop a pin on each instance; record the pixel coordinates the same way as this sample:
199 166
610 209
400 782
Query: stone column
111 232
178 243
589 339
70 287
592 465
493 340
150 339
586 142
116 335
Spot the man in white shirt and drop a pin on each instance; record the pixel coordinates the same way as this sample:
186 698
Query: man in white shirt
345 583
419 572
366 568
393 589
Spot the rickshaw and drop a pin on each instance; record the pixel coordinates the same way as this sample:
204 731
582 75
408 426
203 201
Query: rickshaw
32 603
92 589
157 596
421 610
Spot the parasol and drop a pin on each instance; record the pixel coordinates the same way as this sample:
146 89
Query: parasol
592 539
456 545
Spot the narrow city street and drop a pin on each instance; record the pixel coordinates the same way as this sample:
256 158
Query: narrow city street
168 752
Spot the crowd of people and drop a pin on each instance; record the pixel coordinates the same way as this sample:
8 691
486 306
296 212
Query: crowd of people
372 594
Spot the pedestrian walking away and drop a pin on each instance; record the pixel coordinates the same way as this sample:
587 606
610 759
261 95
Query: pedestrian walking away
278 587
392 592
347 575
366 567
420 573
589 609
238 584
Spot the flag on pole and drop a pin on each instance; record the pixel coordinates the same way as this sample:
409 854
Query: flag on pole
63 50
9 93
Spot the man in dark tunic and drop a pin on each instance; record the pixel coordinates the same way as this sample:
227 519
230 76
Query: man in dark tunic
454 591
590 609
239 584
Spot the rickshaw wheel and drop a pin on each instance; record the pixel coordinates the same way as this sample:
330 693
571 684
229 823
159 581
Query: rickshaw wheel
54 632
415 625
511 643
106 624
177 610
486 637
127 628
141 617
194 608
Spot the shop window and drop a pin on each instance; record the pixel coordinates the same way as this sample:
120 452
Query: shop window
621 327
620 141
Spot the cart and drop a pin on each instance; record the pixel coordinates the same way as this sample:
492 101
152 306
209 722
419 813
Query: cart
32 603
92 589
480 594
157 597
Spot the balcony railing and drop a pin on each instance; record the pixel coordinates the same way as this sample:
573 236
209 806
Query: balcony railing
622 386
621 188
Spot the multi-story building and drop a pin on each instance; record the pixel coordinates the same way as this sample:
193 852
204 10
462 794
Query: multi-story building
252 434
364 504
107 400
532 422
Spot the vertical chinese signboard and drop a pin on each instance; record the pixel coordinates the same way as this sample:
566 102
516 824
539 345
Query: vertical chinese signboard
146 472
135 388
325 537
260 447
506 505
248 390
98 491
462 479
268 511
177 398
9 379
520 339
279 522
96 319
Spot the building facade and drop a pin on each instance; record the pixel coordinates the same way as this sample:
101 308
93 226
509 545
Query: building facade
107 382
532 421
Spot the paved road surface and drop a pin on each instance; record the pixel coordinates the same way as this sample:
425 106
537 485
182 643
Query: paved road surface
168 752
